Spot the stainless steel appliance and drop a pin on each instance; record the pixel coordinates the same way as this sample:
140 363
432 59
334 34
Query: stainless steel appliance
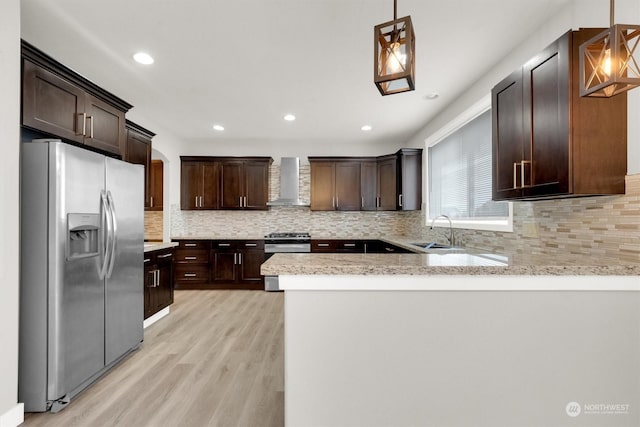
283 243
81 290
289 184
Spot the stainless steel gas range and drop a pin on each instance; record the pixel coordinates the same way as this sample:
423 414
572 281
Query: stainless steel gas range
283 243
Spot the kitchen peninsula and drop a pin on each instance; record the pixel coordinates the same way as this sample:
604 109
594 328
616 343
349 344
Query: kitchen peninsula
465 339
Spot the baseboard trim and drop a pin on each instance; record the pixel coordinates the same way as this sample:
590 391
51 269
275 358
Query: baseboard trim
153 319
13 417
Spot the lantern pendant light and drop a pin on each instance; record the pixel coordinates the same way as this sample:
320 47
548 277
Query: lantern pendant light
394 50
610 61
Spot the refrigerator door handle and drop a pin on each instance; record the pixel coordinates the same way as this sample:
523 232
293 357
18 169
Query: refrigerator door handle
114 233
104 220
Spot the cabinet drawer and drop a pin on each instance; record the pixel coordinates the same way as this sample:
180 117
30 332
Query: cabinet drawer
191 273
251 244
323 246
356 246
192 256
164 256
194 244
224 245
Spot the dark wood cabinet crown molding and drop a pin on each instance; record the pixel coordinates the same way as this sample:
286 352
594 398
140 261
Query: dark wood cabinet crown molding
136 127
45 61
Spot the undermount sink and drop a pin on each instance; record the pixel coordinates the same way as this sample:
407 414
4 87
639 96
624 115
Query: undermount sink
435 246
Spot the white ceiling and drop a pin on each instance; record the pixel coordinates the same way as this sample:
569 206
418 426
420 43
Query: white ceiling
245 63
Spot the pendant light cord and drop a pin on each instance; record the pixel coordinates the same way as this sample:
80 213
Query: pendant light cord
395 9
612 8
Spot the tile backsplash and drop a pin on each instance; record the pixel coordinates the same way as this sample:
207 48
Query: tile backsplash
604 226
607 226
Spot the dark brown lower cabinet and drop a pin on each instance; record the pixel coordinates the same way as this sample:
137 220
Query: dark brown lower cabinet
381 247
337 245
219 264
158 281
192 264
354 246
235 264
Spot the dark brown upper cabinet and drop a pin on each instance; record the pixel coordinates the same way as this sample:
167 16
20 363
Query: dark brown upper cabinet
139 152
391 182
61 103
198 184
240 183
336 184
548 142
244 183
156 187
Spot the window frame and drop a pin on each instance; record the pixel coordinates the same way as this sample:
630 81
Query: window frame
480 107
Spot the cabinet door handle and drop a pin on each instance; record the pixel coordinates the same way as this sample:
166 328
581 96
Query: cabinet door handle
190 258
349 245
201 201
250 245
400 200
515 175
151 201
361 201
239 257
147 259
190 245
168 255
90 126
190 274
84 123
388 249
224 245
157 278
522 171
323 245
235 258
377 201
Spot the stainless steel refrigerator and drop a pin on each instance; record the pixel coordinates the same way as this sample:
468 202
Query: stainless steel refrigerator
81 285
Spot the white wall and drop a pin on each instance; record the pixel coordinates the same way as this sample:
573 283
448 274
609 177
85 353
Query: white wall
579 13
10 412
172 148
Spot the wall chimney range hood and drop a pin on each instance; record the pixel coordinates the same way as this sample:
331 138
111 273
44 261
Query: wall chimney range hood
289 183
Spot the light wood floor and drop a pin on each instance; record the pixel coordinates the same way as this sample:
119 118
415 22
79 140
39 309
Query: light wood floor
216 360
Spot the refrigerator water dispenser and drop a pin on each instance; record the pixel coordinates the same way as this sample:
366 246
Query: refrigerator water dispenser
83 231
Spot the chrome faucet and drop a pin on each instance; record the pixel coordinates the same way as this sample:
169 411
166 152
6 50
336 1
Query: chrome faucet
450 238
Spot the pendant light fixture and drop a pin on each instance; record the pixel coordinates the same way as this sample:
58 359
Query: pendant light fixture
610 61
394 60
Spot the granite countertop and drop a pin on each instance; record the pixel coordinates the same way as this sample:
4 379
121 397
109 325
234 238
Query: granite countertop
459 261
156 246
442 264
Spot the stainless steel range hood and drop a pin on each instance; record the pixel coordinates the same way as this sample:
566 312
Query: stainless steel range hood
289 183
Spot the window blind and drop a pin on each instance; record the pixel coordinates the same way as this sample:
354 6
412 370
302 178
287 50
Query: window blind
460 174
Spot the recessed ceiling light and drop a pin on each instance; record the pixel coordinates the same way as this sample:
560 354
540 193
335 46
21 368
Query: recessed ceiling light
366 128
219 128
143 58
432 95
289 117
